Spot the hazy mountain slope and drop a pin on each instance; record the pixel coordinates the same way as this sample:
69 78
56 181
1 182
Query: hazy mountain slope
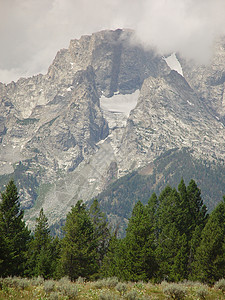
106 107
120 197
208 80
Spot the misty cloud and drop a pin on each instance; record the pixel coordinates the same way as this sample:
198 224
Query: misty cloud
33 31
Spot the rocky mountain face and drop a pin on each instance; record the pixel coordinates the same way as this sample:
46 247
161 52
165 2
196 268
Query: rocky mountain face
105 108
208 80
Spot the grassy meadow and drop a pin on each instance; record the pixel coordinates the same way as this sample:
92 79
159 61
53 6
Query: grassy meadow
106 289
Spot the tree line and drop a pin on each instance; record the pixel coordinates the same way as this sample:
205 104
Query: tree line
171 238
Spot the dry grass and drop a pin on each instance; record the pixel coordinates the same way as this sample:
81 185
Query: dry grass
111 288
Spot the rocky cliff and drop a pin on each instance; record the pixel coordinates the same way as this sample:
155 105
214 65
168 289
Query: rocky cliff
105 108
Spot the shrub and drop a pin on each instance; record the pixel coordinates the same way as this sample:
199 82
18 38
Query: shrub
54 296
64 280
49 286
107 296
80 280
36 281
67 288
132 295
9 281
175 291
220 285
70 290
1 282
202 291
23 283
140 285
99 283
111 282
121 288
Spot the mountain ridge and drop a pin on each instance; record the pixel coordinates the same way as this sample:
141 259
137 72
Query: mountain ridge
62 144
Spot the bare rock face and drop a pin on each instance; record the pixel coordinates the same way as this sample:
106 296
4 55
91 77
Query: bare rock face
51 123
66 135
120 64
170 115
208 80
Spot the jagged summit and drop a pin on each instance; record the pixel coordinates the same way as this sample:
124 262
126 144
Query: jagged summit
62 140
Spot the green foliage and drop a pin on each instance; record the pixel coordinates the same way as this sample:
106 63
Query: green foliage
172 245
171 237
139 258
43 251
101 231
14 233
79 255
209 263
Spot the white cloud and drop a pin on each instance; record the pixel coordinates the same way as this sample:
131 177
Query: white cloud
33 31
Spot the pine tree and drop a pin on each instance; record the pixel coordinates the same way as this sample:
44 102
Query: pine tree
152 208
113 262
101 230
209 263
198 211
79 255
14 233
42 253
197 220
41 232
184 217
171 236
139 245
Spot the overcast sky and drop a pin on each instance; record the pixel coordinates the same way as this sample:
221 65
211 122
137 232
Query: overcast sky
32 31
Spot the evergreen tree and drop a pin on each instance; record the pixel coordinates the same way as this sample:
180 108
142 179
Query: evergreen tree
209 263
152 208
14 233
42 253
101 230
183 212
79 255
171 236
139 245
198 211
41 232
113 262
3 250
197 220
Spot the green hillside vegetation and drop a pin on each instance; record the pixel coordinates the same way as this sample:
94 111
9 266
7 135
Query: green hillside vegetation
119 198
171 239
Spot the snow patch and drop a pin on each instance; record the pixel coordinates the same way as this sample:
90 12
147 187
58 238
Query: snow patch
69 89
120 103
174 63
91 180
190 103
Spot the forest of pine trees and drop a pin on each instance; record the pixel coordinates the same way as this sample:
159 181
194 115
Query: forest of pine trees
172 238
